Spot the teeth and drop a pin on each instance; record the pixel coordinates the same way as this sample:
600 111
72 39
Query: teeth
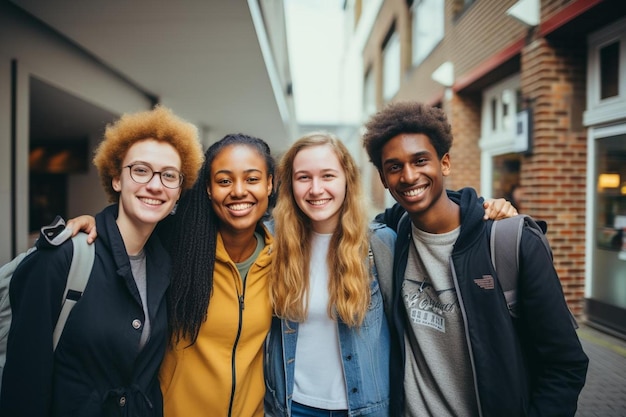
414 192
152 201
238 207
318 202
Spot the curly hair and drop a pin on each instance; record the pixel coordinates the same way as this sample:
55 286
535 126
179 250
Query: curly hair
159 124
191 238
406 117
349 280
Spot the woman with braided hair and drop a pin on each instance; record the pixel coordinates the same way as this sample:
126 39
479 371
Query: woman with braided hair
219 305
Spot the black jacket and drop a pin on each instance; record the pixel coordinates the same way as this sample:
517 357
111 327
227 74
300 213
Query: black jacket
529 366
97 368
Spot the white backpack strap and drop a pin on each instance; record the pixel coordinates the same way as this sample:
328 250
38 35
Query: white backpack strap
80 270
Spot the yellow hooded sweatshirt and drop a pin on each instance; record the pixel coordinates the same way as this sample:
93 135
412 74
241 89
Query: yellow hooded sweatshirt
227 359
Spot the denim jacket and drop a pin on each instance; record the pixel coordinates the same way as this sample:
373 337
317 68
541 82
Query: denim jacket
364 352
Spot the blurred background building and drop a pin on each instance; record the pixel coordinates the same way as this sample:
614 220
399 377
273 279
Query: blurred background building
67 68
535 91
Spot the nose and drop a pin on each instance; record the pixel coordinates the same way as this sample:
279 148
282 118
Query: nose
155 182
239 189
409 174
316 186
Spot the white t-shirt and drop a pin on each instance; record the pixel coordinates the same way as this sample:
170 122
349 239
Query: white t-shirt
319 380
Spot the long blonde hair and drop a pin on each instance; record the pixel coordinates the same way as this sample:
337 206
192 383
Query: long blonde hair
349 280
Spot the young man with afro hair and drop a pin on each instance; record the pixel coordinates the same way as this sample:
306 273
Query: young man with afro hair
456 350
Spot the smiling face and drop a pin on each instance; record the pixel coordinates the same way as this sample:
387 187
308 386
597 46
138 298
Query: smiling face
239 187
143 205
319 186
413 173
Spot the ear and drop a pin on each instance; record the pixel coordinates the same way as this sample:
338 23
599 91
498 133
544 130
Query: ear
269 184
382 179
446 167
208 192
116 184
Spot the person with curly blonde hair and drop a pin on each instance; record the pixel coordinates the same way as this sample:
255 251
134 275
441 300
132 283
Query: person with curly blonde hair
159 124
327 302
108 357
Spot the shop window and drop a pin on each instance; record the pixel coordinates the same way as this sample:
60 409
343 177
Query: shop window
428 27
611 188
609 249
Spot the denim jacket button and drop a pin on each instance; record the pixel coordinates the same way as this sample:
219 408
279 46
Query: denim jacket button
354 390
349 357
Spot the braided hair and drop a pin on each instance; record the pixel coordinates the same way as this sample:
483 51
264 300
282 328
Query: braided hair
191 239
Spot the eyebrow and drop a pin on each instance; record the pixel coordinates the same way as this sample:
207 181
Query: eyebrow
321 170
413 156
152 166
247 171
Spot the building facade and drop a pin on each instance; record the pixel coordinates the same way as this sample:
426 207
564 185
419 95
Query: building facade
69 68
535 91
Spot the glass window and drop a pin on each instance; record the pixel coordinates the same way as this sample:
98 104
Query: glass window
391 67
609 71
428 27
609 266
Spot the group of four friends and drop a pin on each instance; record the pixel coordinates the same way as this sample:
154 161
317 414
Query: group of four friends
201 303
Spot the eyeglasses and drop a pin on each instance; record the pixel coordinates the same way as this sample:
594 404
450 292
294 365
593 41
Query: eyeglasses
143 174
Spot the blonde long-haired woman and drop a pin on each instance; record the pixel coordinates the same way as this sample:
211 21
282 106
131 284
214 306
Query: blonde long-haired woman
328 351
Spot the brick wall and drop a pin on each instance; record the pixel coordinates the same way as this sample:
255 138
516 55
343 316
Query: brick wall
553 78
463 113
482 30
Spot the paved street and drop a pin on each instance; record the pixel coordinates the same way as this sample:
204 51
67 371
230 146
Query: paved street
604 394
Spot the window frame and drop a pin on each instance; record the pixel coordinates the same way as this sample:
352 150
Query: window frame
500 137
604 110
